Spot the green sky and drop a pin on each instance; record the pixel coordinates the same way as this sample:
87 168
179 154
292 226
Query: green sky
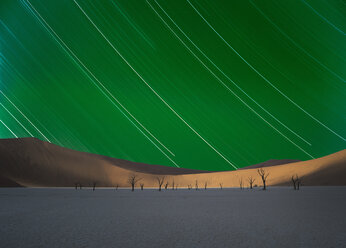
213 85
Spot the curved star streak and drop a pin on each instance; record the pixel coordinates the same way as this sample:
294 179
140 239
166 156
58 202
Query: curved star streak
32 124
295 43
221 71
210 84
240 99
9 129
85 70
17 120
178 115
263 77
325 19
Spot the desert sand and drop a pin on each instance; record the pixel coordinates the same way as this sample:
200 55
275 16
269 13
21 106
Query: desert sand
34 163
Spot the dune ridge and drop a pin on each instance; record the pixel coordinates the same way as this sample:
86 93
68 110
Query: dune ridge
31 162
271 162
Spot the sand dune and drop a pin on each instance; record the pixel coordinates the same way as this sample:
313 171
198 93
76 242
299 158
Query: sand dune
32 162
326 171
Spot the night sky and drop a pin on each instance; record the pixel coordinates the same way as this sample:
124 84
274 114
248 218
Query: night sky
213 85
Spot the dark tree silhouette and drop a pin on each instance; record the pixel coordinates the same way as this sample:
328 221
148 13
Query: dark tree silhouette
132 180
294 181
160 181
299 183
189 186
241 183
142 186
251 180
94 186
221 184
263 174
173 185
196 185
80 186
205 185
166 185
76 185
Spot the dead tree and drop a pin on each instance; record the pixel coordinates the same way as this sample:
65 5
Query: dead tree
205 185
263 174
173 185
142 186
220 185
132 180
196 185
299 182
251 180
94 186
160 181
294 181
241 183
166 185
76 185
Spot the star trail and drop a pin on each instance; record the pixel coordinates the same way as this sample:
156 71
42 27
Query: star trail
214 85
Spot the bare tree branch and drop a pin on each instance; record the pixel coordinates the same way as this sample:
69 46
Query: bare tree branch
132 180
251 180
160 181
296 182
241 183
299 183
263 174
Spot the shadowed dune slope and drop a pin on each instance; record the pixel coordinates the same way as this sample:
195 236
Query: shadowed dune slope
6 182
32 162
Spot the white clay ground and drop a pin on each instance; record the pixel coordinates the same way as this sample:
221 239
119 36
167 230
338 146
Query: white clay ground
278 217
